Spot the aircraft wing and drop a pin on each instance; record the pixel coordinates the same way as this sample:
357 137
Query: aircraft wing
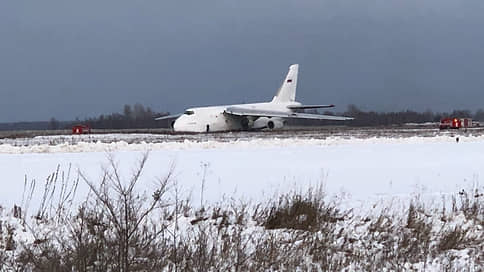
238 111
301 107
172 116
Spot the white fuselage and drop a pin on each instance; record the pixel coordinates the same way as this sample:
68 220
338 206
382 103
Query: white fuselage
213 119
269 115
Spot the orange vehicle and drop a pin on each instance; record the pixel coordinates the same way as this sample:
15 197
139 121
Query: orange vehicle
455 123
81 129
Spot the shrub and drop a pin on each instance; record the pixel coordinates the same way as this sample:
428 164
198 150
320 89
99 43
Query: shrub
301 211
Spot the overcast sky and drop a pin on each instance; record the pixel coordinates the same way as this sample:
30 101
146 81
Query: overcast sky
69 59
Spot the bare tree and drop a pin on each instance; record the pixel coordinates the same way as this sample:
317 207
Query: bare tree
127 211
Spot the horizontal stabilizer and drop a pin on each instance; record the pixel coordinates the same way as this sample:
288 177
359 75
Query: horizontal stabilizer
166 117
238 111
302 107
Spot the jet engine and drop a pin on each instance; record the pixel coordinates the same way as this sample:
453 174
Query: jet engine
270 123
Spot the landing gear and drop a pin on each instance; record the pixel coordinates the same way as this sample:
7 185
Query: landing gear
245 124
208 128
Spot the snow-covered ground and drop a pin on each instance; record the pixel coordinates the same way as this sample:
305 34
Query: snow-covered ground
363 171
376 176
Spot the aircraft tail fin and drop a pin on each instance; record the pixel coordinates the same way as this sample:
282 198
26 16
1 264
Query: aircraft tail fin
287 91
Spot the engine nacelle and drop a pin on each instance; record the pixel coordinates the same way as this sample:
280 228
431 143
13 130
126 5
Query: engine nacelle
270 123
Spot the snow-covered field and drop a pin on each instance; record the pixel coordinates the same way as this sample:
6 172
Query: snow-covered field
361 170
370 179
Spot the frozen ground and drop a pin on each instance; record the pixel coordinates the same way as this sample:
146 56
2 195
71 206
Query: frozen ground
361 170
163 136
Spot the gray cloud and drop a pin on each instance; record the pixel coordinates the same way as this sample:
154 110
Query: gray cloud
79 59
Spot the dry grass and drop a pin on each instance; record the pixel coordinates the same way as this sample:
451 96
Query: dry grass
119 229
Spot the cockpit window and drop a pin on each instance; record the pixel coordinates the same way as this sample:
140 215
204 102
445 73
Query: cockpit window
189 112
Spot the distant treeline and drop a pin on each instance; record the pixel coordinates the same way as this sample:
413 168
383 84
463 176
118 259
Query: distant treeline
138 116
373 118
24 126
135 116
132 117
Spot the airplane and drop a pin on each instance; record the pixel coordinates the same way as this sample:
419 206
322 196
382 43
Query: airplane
268 115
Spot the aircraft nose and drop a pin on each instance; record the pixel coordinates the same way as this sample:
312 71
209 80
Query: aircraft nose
177 125
180 124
